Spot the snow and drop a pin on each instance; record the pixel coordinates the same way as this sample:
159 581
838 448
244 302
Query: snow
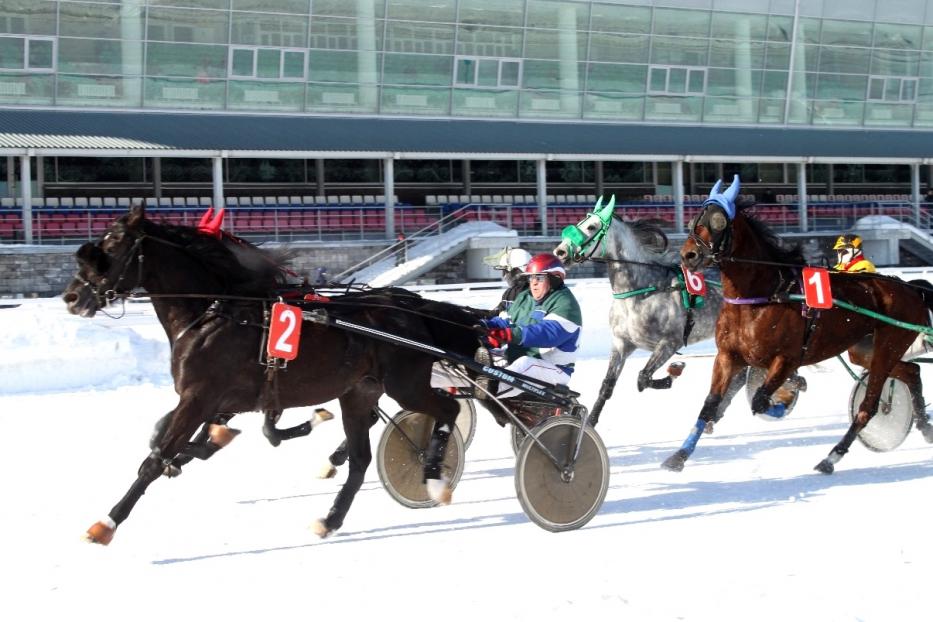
748 531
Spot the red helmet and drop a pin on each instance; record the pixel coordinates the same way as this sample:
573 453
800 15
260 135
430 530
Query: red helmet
546 263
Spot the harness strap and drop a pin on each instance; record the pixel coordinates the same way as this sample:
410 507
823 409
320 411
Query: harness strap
636 292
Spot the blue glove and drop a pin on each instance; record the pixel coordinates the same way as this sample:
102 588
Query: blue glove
496 322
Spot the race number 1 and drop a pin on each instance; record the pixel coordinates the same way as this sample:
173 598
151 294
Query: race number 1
694 282
816 291
284 331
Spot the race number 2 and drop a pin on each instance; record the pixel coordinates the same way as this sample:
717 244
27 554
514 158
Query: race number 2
694 282
284 331
816 290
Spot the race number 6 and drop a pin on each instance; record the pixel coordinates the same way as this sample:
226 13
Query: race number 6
284 331
694 282
816 290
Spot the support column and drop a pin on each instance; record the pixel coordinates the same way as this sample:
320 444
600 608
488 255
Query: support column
131 49
26 188
743 68
467 178
217 178
11 176
40 176
802 195
542 194
830 179
567 50
677 183
157 177
600 178
319 177
389 189
368 72
915 197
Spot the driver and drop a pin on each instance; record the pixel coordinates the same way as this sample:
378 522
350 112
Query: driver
543 332
849 256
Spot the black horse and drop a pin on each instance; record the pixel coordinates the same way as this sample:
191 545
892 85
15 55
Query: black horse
212 296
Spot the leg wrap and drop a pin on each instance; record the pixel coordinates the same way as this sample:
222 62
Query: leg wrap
436 450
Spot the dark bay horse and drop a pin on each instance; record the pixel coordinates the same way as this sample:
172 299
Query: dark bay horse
759 326
212 302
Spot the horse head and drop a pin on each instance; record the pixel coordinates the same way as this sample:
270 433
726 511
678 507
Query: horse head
106 268
583 237
709 233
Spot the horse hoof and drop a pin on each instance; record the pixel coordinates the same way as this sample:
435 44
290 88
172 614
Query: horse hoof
825 466
927 431
320 529
708 428
675 461
101 532
320 416
221 435
327 472
675 369
439 491
171 470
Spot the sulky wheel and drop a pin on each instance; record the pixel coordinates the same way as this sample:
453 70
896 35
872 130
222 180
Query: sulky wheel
466 421
559 499
890 425
787 394
517 437
400 458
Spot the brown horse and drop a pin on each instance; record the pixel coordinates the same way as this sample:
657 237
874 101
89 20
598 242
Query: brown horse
212 301
759 326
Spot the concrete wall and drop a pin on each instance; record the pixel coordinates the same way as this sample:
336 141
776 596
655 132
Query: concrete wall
44 271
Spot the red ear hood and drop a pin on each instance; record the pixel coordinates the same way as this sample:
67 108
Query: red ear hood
210 223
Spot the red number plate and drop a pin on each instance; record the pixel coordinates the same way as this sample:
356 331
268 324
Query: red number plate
694 282
284 331
816 290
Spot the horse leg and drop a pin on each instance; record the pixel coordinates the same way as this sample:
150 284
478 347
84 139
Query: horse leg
213 436
888 345
780 370
340 455
356 407
616 362
725 367
909 374
735 385
662 352
175 432
276 435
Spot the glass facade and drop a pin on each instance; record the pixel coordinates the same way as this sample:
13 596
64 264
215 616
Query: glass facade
728 62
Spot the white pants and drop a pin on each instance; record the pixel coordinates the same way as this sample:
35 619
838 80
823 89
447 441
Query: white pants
919 347
535 368
443 379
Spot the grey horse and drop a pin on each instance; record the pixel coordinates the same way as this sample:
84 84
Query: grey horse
651 309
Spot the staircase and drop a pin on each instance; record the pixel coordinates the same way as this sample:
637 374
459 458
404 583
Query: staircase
426 253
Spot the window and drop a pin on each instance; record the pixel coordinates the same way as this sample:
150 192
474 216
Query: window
27 53
885 89
488 72
267 63
676 80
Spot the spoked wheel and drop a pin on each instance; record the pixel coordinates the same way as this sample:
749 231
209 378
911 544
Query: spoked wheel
466 421
517 437
400 458
890 425
787 394
561 499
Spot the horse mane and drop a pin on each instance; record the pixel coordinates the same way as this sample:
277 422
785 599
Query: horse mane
242 267
779 252
650 235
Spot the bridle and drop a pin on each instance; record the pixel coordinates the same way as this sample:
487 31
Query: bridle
719 248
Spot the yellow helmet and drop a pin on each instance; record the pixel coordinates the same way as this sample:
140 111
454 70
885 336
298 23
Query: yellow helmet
847 241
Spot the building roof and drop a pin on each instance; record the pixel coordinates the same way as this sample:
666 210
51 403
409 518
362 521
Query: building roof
83 133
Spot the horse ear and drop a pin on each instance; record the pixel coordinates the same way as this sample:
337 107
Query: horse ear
599 203
136 217
612 204
733 191
717 221
716 188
